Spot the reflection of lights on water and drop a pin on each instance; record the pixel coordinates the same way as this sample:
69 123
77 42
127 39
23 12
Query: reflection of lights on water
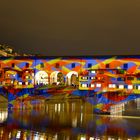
59 107
117 109
1 133
74 122
83 138
81 118
36 137
55 136
55 108
91 138
10 135
18 135
3 115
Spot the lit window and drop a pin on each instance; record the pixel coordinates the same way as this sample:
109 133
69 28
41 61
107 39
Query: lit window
26 83
121 86
91 138
93 71
92 78
83 138
26 77
111 85
138 87
84 85
98 85
84 78
20 83
130 86
92 85
12 82
18 135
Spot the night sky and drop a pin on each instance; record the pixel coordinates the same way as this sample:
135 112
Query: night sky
71 27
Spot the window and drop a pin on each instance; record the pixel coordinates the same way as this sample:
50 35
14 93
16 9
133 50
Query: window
27 77
42 65
98 85
107 65
138 87
27 65
125 66
92 78
57 65
130 87
73 65
84 78
13 65
26 83
111 85
89 65
92 85
121 86
84 85
20 83
93 71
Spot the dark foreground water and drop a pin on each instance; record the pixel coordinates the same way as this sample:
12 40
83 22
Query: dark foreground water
66 120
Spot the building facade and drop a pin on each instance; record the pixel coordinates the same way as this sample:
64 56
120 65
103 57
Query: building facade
109 80
99 73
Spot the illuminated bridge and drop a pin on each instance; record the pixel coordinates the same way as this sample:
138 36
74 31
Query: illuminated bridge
108 79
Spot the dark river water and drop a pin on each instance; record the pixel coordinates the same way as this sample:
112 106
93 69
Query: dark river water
66 120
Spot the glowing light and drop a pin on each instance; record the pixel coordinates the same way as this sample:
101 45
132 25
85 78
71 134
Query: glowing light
18 135
83 138
84 85
98 85
41 77
130 86
93 71
111 85
20 83
84 78
121 86
59 107
92 85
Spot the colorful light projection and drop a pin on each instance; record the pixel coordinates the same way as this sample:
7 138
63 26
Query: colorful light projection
83 76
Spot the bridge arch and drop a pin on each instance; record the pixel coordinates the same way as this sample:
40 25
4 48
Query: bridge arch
56 77
41 77
71 78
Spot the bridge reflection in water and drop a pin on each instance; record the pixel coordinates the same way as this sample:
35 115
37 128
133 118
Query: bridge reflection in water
67 120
